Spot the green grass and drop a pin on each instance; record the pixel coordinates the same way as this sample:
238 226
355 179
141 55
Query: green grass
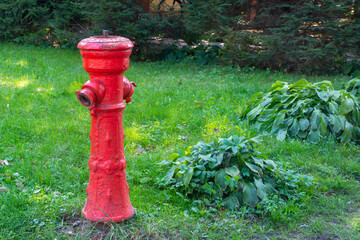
44 137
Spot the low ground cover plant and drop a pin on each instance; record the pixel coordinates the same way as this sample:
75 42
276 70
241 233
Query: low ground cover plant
230 173
307 111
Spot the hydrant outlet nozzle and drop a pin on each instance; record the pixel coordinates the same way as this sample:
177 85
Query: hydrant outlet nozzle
92 92
86 97
128 89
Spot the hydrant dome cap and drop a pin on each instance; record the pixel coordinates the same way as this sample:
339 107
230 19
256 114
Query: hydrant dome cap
105 43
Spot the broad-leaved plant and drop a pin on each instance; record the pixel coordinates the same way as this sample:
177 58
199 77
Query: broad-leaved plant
229 172
307 111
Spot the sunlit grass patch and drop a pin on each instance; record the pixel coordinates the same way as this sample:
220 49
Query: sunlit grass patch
22 63
216 126
355 223
19 82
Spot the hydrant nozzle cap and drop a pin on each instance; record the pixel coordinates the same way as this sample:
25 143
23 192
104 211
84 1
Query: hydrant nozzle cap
105 43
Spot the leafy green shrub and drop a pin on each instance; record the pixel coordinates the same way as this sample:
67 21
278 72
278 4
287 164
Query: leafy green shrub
19 18
202 54
306 111
352 68
230 173
305 36
44 22
353 86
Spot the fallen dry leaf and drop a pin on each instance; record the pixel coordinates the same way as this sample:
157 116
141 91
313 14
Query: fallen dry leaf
149 147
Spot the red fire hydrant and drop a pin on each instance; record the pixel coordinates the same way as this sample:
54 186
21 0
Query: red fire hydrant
106 58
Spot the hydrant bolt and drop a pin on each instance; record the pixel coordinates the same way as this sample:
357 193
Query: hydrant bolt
105 33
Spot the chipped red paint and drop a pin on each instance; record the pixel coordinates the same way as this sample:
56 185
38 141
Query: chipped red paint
106 59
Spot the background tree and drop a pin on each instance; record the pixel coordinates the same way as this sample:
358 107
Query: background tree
316 36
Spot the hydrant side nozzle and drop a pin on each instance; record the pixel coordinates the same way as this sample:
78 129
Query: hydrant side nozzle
92 92
128 89
86 97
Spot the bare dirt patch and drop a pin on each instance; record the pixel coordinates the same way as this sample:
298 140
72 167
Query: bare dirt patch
77 226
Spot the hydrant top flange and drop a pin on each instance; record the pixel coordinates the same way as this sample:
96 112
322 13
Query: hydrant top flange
105 54
107 43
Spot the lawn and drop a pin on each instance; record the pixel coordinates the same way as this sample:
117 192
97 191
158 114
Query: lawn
44 140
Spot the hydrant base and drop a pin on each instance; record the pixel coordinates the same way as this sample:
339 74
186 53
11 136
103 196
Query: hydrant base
101 218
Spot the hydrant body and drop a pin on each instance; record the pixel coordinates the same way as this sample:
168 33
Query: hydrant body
106 58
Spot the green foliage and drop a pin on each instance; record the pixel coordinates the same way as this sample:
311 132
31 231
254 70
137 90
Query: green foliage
116 16
307 111
19 18
231 173
311 37
353 86
352 68
303 36
44 23
209 19
65 23
201 54
307 36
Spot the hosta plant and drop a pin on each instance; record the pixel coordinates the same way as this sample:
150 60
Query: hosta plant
353 86
306 111
230 173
